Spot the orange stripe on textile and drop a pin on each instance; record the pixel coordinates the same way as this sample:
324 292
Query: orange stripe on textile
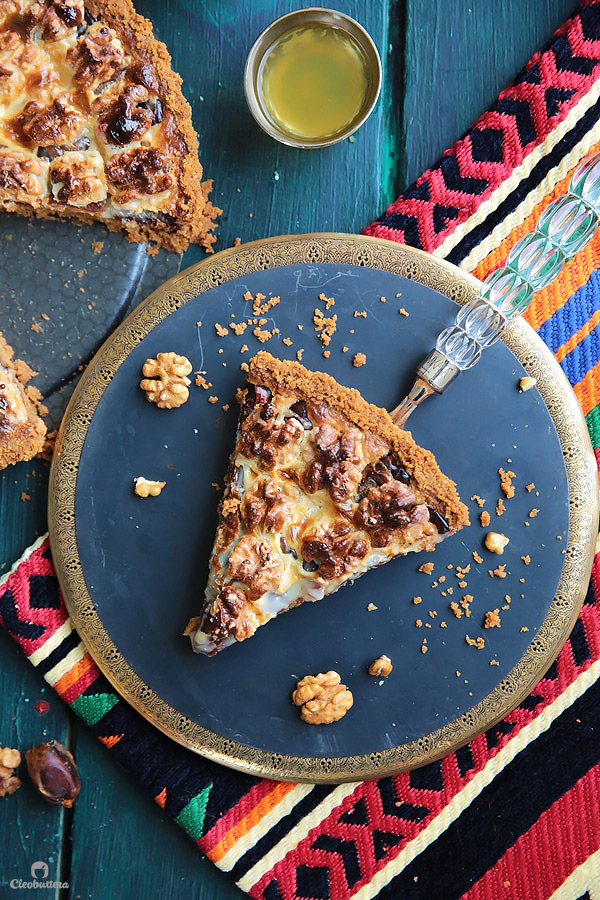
111 740
587 390
69 687
573 276
576 338
532 867
160 798
252 818
238 813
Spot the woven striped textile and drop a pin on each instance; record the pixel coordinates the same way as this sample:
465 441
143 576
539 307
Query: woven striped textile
516 813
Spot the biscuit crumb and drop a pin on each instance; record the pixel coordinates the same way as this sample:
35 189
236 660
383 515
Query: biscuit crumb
477 557
326 353
402 311
247 296
478 500
523 628
97 247
417 600
262 334
533 513
494 662
492 619
426 567
288 341
371 607
418 623
299 354
325 327
345 349
424 646
222 332
381 667
200 381
359 360
526 559
213 399
245 367
25 496
499 571
478 642
328 301
500 507
360 314
506 484
238 327
530 487
484 518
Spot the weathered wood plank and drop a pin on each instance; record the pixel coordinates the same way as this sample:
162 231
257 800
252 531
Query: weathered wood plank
458 58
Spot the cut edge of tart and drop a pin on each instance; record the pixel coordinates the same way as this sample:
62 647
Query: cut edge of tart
321 487
118 161
22 431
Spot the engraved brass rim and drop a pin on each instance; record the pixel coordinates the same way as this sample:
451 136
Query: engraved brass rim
521 340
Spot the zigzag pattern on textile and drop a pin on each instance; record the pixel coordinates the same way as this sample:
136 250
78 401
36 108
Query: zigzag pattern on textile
344 838
527 111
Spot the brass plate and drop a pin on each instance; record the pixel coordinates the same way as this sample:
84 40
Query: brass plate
377 255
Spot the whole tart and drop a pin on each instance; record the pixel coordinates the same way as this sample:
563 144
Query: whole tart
321 487
22 431
94 126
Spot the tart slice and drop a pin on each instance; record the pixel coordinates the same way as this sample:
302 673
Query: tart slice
321 487
93 123
22 431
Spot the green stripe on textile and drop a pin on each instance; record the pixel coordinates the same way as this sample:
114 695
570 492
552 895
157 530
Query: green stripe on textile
191 817
91 708
592 420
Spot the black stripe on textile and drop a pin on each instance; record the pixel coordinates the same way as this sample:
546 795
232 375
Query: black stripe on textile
266 843
538 173
541 773
58 654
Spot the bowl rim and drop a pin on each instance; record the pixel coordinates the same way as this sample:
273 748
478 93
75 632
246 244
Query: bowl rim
264 41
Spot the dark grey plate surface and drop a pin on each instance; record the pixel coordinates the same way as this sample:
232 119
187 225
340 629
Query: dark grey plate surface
63 289
145 561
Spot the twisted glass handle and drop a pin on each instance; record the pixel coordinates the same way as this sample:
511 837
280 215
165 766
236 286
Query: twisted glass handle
565 226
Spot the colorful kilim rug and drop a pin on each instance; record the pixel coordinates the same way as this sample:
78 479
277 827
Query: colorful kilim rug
516 813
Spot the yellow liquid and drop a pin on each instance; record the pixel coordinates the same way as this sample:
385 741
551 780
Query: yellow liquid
314 82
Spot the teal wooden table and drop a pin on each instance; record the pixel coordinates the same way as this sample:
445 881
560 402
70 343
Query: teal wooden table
444 63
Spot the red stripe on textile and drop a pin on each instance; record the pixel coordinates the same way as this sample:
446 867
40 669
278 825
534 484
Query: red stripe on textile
17 583
539 862
236 814
466 203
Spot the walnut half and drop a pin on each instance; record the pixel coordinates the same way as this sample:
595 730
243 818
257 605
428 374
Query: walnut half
322 698
381 667
9 760
166 382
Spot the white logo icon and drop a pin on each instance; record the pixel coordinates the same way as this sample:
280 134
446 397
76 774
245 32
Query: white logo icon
39 870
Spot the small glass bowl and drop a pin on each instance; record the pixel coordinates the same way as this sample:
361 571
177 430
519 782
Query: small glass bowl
265 41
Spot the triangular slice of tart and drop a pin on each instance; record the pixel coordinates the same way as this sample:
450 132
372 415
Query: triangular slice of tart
321 487
22 431
93 123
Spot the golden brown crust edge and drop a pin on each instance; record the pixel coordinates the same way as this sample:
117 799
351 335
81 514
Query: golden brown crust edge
291 377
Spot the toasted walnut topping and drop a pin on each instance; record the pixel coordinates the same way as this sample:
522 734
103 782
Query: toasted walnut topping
57 18
123 118
253 563
55 124
139 171
269 506
381 667
526 383
495 542
166 382
334 550
322 698
145 488
229 614
78 178
18 174
97 56
9 760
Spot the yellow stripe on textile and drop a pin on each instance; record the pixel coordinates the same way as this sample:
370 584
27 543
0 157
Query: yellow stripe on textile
65 665
584 881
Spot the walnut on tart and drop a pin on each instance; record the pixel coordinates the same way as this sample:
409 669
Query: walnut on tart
321 487
93 123
22 431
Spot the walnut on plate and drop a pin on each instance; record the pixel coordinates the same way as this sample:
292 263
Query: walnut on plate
322 698
495 542
166 382
381 667
9 760
143 487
